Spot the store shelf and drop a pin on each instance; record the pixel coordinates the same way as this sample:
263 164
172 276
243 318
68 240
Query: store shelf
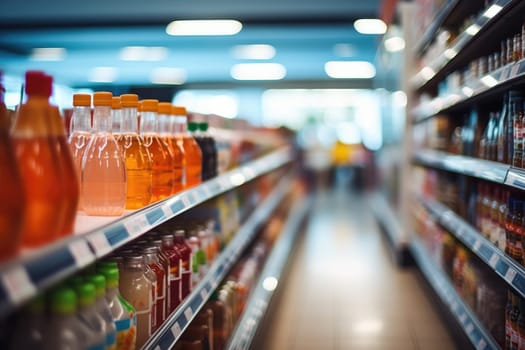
456 55
472 327
495 82
441 16
269 279
500 263
170 331
24 277
478 168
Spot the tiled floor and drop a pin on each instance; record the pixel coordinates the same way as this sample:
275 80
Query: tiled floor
344 291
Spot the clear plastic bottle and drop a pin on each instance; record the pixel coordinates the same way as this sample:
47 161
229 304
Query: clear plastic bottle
174 258
80 131
137 289
88 314
164 129
116 116
162 161
123 312
103 167
30 326
102 307
152 260
136 156
37 158
12 198
192 151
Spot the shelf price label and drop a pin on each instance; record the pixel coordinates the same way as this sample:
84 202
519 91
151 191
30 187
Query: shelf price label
188 313
514 70
476 245
168 212
493 260
469 328
176 330
81 253
504 74
18 284
100 243
137 225
204 294
481 344
510 274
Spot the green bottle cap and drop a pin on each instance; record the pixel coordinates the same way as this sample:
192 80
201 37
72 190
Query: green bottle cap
203 126
86 294
99 281
193 126
112 276
63 301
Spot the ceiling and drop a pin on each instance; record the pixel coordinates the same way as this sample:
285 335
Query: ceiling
304 33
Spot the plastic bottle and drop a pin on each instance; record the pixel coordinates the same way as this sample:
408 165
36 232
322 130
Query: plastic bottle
186 259
136 155
192 151
152 260
102 307
116 116
12 198
124 314
174 258
137 289
30 326
162 161
164 129
222 321
88 314
37 158
103 168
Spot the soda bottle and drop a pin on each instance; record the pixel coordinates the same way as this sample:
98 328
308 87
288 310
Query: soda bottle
102 308
152 260
116 116
192 151
186 259
174 258
164 129
103 167
164 262
136 156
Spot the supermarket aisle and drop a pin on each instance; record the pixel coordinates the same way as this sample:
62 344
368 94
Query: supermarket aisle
344 291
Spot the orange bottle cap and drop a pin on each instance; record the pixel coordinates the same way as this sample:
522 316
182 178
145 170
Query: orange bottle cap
115 102
150 105
83 100
102 98
178 110
129 100
164 108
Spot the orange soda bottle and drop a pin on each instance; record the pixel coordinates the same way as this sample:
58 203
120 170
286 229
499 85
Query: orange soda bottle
37 158
116 116
162 166
103 168
11 191
165 131
191 148
136 155
80 128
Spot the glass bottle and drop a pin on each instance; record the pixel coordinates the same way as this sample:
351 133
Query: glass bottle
136 156
80 131
517 232
137 289
103 167
192 151
152 260
502 214
102 308
12 198
164 262
502 138
174 258
116 116
222 320
211 150
185 268
516 116
37 159
484 144
165 131
162 161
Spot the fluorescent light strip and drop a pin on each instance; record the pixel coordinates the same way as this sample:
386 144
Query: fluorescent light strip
168 76
143 53
103 75
258 71
204 27
350 69
253 52
370 26
48 54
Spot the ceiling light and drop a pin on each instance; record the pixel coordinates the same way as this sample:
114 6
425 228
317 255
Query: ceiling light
204 27
168 75
103 75
492 11
258 71
344 50
143 53
48 54
473 29
394 44
350 69
253 52
370 26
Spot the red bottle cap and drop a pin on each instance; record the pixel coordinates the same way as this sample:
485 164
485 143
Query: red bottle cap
38 84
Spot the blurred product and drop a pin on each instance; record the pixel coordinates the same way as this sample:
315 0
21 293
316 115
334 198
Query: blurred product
192 152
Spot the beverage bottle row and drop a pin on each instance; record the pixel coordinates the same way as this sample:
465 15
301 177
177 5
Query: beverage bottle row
514 322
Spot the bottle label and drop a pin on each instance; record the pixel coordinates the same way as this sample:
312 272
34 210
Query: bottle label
126 333
97 347
111 341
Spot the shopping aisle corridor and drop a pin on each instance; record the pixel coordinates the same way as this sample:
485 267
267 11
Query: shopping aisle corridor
344 291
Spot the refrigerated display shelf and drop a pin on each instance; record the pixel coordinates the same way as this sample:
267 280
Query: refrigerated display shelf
467 320
268 282
171 330
492 256
23 277
447 61
495 82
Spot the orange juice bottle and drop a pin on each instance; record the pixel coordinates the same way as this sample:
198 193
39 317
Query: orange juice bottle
161 157
191 148
164 130
80 128
136 155
37 158
103 167
11 191
116 116
66 165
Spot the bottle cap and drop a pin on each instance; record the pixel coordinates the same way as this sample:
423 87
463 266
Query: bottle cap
129 100
139 106
102 98
86 294
203 126
112 276
82 100
63 301
115 102
150 105
164 108
193 126
179 110
99 281
37 83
